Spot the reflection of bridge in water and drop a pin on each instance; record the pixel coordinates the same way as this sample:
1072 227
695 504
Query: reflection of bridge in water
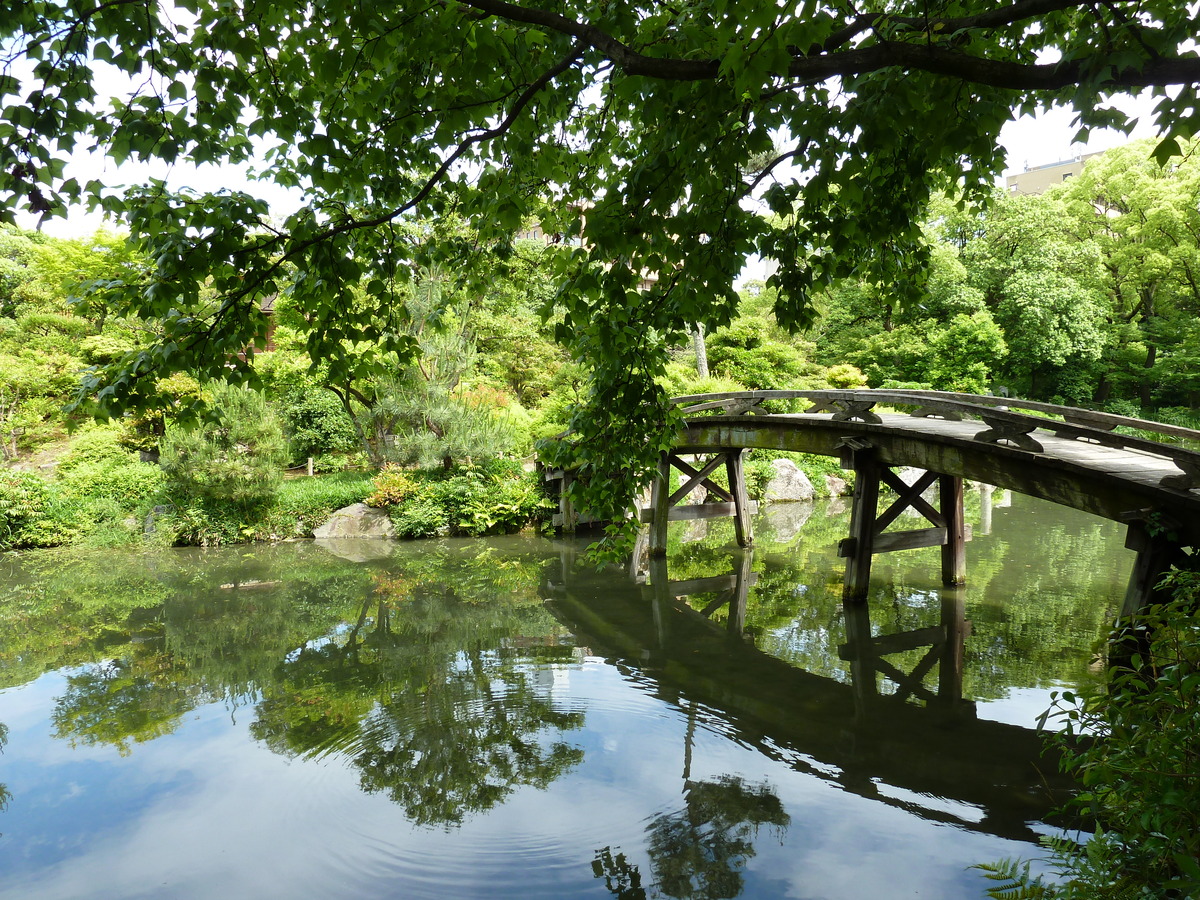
1070 456
933 757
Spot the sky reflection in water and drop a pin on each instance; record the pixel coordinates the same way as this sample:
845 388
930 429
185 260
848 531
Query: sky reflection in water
442 734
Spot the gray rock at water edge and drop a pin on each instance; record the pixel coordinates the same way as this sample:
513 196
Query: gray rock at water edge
788 483
357 521
837 486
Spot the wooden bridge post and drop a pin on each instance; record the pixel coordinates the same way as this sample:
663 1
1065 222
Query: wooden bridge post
954 551
1155 554
660 585
741 590
867 525
985 508
569 516
950 667
735 501
660 507
861 655
735 468
860 457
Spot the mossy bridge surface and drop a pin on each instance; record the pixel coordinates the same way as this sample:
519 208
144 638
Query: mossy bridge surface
1143 473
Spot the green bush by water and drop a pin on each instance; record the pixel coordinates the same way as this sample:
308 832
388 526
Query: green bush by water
1134 747
496 497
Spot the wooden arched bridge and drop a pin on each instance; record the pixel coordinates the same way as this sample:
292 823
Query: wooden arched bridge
1112 466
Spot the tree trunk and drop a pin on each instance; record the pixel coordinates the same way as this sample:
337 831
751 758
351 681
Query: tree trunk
1147 383
701 351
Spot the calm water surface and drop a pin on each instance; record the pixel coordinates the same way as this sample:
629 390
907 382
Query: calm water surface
466 719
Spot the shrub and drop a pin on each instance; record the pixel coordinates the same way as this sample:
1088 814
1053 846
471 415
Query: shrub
496 498
23 499
845 377
128 485
421 516
1135 748
92 447
392 487
303 504
238 460
1125 408
34 514
315 422
97 467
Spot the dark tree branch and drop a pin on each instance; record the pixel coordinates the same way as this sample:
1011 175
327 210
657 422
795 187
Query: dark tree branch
926 57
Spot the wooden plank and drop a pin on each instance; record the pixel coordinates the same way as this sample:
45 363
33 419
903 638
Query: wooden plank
908 496
909 540
726 597
696 511
703 585
711 584
697 477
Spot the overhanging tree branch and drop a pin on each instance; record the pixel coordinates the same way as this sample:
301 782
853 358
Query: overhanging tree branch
931 57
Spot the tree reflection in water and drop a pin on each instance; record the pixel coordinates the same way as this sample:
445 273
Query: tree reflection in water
119 700
5 795
423 700
698 852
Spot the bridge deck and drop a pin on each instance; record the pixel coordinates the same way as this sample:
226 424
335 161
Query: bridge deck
1133 465
1110 481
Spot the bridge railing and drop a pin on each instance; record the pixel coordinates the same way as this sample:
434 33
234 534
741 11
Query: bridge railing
1003 423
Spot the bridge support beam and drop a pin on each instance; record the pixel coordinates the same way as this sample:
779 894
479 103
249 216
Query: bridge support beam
734 501
867 524
1156 553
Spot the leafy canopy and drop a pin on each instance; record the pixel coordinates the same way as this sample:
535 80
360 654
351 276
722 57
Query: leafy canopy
635 131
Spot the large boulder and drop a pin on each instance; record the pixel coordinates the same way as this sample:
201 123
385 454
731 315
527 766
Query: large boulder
357 521
788 483
837 486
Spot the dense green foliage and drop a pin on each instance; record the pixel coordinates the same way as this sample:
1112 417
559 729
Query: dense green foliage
1062 297
238 458
1132 744
475 500
504 113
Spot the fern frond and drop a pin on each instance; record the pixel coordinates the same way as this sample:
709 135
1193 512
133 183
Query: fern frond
1015 881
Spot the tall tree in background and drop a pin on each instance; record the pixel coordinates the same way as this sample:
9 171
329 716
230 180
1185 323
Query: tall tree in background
625 127
1145 220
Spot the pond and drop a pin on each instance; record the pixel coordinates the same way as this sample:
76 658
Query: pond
485 718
